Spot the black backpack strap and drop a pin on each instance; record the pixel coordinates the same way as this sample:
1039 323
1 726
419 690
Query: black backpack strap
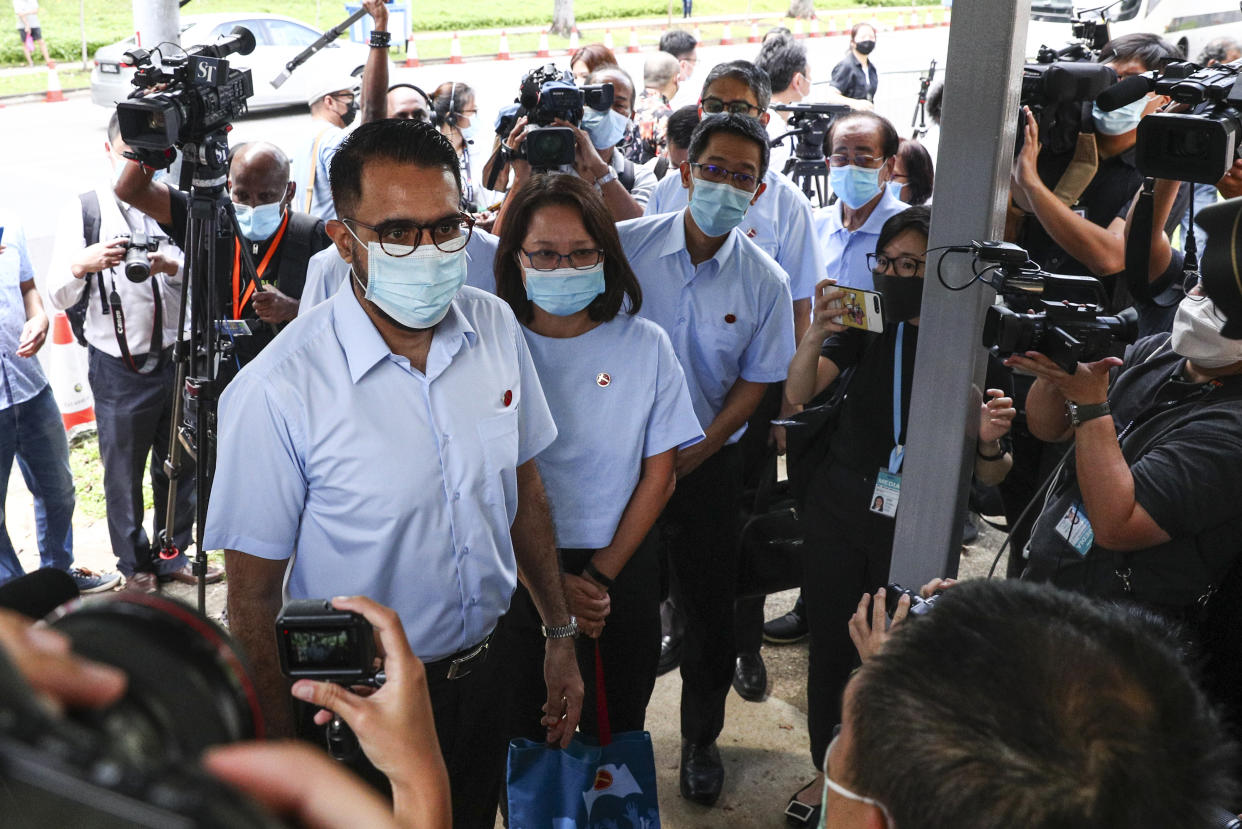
661 167
91 222
298 248
628 174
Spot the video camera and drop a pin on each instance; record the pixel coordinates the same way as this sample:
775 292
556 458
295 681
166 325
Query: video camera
1057 83
545 95
135 762
809 123
1199 145
1059 316
317 641
199 93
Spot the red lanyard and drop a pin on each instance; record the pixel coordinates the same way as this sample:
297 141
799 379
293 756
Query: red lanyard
240 303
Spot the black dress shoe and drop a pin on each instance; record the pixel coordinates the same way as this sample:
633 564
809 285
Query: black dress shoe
670 654
750 677
790 628
702 773
673 631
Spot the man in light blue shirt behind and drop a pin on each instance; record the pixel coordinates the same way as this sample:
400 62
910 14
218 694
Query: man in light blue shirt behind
332 109
725 305
385 443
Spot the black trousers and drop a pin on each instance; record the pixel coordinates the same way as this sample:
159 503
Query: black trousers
846 553
133 413
699 526
470 728
630 647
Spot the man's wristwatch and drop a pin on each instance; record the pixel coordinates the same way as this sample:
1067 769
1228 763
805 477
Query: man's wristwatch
1080 414
561 631
611 175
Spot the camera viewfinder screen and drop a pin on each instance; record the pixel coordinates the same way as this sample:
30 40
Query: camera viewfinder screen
320 648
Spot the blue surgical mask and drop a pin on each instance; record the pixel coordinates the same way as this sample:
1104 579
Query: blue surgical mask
258 223
717 207
1120 120
564 291
415 290
855 185
894 187
468 133
605 128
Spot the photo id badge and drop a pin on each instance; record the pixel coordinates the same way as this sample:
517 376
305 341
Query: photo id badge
1076 529
233 328
887 491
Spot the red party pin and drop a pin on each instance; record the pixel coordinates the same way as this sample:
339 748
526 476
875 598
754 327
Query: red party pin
730 318
507 397
602 380
752 233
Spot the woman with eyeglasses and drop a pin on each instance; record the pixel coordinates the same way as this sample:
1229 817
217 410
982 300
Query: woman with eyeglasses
853 495
456 115
622 410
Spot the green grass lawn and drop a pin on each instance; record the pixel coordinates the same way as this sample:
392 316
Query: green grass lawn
108 22
88 478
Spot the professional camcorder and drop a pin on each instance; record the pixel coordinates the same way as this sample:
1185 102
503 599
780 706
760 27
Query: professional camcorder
199 93
546 95
809 123
1059 81
135 762
1199 145
1059 316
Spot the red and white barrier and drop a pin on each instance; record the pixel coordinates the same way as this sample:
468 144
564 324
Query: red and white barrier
67 373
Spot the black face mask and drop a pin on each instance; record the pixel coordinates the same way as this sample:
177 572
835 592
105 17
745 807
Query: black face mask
864 47
902 296
351 110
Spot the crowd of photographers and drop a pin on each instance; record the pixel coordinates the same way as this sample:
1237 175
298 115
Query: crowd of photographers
516 386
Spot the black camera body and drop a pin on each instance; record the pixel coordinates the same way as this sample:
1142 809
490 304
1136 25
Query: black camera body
1199 145
202 93
1059 81
548 94
918 605
135 762
810 123
1060 316
317 641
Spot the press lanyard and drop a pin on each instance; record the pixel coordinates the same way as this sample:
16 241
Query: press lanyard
899 451
240 302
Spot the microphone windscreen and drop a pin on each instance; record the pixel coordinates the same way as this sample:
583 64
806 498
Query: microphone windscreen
1125 91
39 593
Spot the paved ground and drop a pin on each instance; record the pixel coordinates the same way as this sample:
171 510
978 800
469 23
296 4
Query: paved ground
764 745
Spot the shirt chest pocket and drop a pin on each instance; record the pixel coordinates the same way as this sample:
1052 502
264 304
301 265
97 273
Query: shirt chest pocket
498 436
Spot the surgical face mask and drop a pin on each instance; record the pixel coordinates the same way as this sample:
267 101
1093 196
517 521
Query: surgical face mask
864 47
902 296
605 128
1197 337
895 188
258 223
564 291
414 290
468 132
855 185
1119 121
718 207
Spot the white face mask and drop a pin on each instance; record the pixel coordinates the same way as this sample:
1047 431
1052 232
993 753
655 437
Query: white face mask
1197 337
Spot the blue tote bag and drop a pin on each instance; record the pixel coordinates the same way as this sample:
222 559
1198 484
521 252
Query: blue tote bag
585 786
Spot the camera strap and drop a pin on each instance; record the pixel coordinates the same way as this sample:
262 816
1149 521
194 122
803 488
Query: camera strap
152 360
1082 167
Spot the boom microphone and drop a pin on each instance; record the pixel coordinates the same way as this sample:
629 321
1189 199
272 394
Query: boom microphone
39 593
1126 91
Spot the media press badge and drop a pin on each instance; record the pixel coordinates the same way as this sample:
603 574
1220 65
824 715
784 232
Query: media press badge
887 492
1076 529
233 328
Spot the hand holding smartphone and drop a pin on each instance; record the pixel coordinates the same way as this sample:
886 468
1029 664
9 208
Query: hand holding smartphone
863 309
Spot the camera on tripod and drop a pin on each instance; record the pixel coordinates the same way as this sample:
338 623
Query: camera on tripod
547 94
201 93
809 124
1199 145
1061 317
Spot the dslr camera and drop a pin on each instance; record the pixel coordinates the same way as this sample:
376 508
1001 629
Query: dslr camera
135 762
809 123
201 93
1059 316
918 605
545 95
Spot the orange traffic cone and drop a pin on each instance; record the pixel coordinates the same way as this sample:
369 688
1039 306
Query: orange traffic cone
54 93
698 35
455 49
754 32
502 53
797 29
544 51
633 45
573 41
67 374
815 27
832 27
608 42
726 37
411 53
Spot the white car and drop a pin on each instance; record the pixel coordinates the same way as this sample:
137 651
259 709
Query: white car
278 40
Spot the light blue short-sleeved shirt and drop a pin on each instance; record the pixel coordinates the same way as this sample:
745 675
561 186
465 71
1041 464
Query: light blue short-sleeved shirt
326 270
618 395
780 223
321 145
385 481
846 251
21 378
730 317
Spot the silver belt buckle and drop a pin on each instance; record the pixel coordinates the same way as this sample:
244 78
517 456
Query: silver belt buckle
458 667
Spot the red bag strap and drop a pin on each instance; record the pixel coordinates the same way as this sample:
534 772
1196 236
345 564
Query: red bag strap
601 700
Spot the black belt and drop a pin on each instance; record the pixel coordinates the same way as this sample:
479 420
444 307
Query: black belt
460 664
